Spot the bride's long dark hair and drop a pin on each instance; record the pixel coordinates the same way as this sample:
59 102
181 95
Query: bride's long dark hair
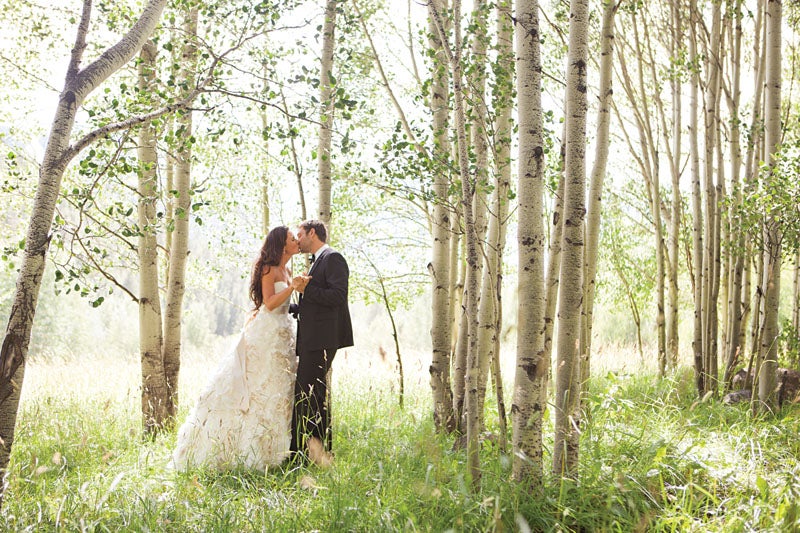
270 256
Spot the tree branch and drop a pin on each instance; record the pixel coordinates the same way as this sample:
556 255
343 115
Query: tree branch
80 42
388 87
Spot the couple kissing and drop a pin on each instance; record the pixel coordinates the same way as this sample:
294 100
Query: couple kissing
266 402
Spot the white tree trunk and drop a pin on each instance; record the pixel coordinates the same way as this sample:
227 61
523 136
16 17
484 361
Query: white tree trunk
487 333
676 45
503 104
697 211
472 253
772 254
567 402
597 178
326 112
527 410
710 273
736 234
441 324
179 252
554 262
154 381
265 177
78 84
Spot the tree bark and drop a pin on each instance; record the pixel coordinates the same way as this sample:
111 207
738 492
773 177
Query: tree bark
154 381
472 258
567 402
767 394
472 249
740 299
503 104
532 363
326 86
710 272
554 259
78 84
736 233
697 211
488 243
176 287
263 203
596 184
676 45
441 325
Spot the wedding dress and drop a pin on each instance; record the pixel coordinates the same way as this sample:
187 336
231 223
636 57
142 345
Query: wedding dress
242 418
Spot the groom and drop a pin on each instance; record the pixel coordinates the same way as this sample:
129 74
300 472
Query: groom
323 327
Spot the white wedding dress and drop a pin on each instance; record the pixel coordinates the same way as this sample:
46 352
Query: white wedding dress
242 418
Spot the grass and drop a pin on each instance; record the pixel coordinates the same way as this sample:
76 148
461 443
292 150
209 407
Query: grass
652 459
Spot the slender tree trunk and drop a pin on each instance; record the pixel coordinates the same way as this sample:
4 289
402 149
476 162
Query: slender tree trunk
326 87
709 258
741 275
648 159
58 153
462 340
554 260
476 126
568 388
488 243
532 364
503 104
596 184
265 179
472 258
154 379
676 45
472 249
441 326
171 160
767 395
757 306
457 273
697 211
737 237
179 252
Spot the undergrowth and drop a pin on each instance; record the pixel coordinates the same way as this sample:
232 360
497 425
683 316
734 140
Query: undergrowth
652 458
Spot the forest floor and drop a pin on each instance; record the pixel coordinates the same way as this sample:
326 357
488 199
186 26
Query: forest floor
652 458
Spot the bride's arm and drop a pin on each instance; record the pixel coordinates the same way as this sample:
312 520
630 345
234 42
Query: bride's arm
272 300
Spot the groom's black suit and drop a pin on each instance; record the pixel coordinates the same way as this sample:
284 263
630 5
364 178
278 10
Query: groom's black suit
323 327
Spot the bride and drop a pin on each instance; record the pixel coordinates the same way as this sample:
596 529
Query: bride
243 416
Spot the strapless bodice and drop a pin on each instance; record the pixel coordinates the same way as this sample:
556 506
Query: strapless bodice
284 307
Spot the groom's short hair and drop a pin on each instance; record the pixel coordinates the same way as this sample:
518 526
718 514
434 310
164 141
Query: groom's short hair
318 226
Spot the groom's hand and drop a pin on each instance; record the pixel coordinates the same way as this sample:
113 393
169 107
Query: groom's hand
299 283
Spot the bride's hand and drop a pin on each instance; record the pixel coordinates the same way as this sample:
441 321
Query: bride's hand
299 282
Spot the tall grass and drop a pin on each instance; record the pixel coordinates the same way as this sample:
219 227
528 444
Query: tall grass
652 459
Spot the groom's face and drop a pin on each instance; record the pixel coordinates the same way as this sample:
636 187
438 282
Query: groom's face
304 240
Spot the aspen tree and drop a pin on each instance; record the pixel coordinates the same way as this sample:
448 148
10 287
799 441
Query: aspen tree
326 86
442 324
772 236
78 84
568 388
176 286
596 183
532 364
151 337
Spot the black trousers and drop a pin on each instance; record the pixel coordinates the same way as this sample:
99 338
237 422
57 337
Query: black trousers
310 416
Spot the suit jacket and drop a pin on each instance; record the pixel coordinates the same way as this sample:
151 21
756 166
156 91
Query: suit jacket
324 317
